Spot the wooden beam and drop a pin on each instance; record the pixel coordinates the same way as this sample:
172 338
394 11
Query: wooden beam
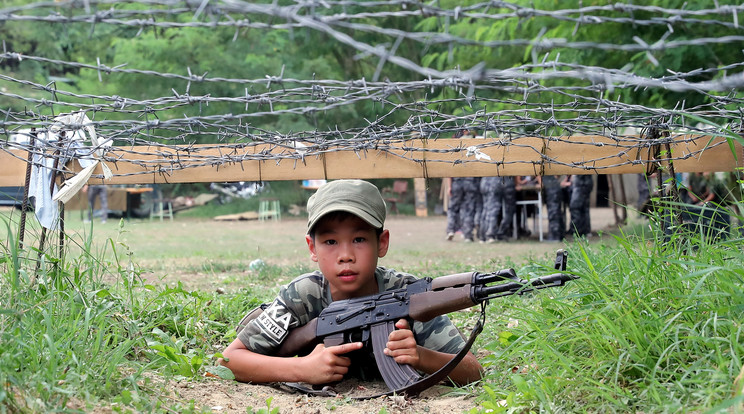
419 197
414 158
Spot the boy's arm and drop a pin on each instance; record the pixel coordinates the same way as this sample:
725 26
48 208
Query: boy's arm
403 348
321 366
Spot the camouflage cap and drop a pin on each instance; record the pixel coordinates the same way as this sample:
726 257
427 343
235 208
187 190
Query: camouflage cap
358 197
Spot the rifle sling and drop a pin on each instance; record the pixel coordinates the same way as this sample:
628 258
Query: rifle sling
301 387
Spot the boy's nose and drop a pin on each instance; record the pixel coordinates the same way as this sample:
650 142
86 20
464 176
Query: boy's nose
346 254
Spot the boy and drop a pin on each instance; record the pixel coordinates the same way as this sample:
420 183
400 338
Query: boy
345 237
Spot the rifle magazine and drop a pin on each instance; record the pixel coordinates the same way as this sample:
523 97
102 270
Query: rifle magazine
424 383
395 375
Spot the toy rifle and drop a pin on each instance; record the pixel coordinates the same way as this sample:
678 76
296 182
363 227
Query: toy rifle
370 319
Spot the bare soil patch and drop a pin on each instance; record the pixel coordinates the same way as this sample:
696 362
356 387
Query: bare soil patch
234 397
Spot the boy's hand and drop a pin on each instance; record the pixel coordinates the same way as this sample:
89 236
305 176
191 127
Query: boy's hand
402 345
325 365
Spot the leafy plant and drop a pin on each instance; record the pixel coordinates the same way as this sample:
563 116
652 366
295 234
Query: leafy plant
181 361
267 410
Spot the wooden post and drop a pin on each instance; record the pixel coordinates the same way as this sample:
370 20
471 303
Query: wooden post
419 187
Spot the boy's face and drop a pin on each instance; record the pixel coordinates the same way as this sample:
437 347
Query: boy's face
346 250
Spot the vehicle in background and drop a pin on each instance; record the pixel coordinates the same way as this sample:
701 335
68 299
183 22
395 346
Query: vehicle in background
243 189
11 196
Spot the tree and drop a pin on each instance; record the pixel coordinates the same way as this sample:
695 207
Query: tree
539 20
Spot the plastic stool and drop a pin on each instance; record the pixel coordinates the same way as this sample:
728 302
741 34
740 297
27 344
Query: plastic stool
537 220
158 207
269 208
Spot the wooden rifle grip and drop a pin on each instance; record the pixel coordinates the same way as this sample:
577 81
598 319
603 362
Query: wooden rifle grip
300 340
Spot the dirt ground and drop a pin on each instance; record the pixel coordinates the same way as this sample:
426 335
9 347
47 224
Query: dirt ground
232 397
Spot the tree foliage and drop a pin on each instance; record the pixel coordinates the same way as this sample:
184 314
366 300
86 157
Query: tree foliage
255 54
627 29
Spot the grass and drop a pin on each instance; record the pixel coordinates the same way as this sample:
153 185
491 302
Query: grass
653 325
649 327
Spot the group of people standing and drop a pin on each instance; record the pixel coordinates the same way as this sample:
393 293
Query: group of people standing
484 208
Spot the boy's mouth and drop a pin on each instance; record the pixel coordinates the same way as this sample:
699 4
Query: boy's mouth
347 275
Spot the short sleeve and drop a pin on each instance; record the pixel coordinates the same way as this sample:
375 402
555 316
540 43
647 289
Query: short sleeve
296 304
439 334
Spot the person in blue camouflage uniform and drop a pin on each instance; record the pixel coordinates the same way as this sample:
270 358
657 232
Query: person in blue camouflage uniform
465 205
462 205
346 238
478 210
551 184
644 194
499 201
581 189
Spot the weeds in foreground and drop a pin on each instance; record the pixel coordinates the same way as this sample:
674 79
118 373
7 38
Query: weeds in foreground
653 325
267 410
649 327
86 331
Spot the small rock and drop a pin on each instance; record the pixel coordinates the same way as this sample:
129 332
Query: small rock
256 264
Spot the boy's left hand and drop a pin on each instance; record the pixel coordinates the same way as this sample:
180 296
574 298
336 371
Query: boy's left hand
402 345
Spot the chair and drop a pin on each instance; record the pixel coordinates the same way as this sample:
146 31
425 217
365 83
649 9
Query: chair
158 204
269 208
395 194
159 207
537 219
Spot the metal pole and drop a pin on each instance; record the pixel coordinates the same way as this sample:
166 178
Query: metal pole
27 183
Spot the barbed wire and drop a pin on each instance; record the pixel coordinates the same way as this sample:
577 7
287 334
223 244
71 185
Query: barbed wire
509 105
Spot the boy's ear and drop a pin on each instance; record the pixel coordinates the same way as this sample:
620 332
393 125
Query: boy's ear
311 247
383 243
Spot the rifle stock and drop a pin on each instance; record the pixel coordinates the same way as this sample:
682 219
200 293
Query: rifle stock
300 340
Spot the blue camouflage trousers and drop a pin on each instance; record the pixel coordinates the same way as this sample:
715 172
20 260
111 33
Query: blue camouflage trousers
554 202
498 193
581 189
461 210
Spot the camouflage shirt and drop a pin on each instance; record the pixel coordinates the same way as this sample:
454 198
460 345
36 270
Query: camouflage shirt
307 295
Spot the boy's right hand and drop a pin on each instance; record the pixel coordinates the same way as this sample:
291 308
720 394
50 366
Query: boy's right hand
325 365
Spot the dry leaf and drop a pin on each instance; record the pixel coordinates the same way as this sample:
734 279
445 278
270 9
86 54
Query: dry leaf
739 382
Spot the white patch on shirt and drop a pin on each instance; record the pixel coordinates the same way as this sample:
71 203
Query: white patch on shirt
274 321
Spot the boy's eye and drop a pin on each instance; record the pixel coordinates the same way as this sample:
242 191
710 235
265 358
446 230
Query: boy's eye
359 239
329 242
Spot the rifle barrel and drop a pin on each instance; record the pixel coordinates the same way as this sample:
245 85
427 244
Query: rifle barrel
521 286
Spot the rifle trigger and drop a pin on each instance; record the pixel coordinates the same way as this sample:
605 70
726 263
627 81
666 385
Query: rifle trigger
396 375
